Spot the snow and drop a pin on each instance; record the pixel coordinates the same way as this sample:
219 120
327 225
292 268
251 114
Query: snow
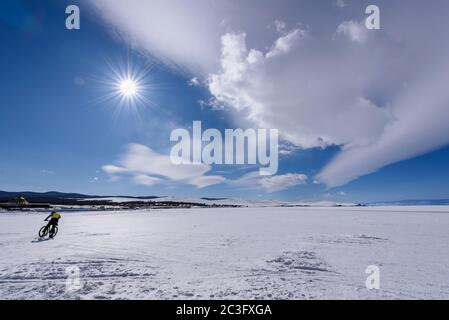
229 253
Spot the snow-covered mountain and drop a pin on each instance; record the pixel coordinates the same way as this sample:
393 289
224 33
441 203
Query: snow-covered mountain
226 202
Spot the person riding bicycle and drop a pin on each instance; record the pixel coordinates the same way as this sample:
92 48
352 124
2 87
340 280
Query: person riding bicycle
54 219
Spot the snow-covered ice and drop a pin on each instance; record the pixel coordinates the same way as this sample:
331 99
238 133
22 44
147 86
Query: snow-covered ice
229 253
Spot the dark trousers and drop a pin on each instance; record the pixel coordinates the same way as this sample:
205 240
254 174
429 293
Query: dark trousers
52 224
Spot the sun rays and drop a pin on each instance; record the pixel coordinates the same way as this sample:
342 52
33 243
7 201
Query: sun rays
126 87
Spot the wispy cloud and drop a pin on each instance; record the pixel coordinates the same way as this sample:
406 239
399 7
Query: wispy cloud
340 4
45 171
194 82
143 166
355 31
269 184
94 179
147 167
145 180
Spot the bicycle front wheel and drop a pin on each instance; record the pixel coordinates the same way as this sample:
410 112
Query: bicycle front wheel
43 231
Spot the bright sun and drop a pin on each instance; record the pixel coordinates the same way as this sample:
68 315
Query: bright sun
128 88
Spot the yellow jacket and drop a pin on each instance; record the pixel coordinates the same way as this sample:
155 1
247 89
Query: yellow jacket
55 215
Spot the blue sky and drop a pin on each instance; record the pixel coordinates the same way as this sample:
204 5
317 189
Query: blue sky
55 135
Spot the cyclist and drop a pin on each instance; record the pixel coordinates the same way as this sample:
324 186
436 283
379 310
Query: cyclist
54 219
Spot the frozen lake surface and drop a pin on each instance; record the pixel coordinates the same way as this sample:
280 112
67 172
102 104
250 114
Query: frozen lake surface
244 253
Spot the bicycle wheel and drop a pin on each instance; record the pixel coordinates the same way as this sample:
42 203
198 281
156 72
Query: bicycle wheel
43 231
53 232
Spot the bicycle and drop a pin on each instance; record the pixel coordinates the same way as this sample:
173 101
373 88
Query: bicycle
51 231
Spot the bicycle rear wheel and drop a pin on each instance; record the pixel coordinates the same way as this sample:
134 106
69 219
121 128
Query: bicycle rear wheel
53 232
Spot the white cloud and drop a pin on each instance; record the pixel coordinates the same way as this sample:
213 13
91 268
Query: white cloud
94 179
280 25
145 180
205 181
282 182
182 34
114 179
355 31
420 126
286 148
146 166
269 184
302 95
212 103
285 43
341 4
194 82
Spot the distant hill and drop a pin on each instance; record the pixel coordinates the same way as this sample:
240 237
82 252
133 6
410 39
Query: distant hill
433 202
55 197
